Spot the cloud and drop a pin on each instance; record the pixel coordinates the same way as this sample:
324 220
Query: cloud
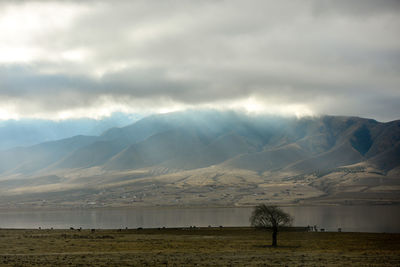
334 57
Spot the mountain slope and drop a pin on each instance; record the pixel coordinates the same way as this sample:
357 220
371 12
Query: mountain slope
31 159
199 139
341 155
219 150
271 159
223 157
155 150
388 159
94 154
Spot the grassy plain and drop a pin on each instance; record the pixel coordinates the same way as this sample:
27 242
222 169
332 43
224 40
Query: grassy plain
195 247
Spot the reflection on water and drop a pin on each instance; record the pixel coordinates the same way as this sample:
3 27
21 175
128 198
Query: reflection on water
349 218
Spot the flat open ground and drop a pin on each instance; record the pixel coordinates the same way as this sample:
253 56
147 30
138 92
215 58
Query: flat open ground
191 247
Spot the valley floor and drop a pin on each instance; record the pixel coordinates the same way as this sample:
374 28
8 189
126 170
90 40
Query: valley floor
191 247
213 186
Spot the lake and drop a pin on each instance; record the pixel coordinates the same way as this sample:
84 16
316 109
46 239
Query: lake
349 218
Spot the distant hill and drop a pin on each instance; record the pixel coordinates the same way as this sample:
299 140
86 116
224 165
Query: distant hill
215 142
27 132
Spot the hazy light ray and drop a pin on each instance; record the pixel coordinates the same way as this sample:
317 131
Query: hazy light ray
106 105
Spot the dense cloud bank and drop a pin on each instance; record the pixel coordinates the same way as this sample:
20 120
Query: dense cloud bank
92 58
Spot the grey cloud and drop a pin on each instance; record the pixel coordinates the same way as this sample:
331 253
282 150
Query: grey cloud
356 7
336 57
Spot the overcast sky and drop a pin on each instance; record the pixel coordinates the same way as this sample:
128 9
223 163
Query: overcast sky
63 59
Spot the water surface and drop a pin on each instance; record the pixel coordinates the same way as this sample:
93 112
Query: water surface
349 218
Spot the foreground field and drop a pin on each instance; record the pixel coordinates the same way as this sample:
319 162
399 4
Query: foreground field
190 247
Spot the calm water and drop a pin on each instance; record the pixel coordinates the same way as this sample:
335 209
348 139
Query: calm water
349 218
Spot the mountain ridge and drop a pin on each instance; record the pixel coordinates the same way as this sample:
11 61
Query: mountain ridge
226 145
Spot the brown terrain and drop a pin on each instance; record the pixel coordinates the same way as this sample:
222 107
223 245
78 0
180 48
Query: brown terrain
195 247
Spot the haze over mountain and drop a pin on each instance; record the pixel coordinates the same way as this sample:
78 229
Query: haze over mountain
25 132
210 157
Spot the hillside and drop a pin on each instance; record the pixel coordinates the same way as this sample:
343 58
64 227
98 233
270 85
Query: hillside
212 158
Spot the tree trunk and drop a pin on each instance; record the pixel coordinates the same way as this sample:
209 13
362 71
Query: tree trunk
274 236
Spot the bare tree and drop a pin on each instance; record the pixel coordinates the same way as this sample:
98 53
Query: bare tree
270 217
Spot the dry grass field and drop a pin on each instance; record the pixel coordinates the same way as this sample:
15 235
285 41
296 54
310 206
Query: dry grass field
195 247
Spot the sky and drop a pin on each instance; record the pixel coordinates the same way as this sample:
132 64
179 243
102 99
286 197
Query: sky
74 59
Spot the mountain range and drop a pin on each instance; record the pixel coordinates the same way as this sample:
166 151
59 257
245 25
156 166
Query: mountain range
211 157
